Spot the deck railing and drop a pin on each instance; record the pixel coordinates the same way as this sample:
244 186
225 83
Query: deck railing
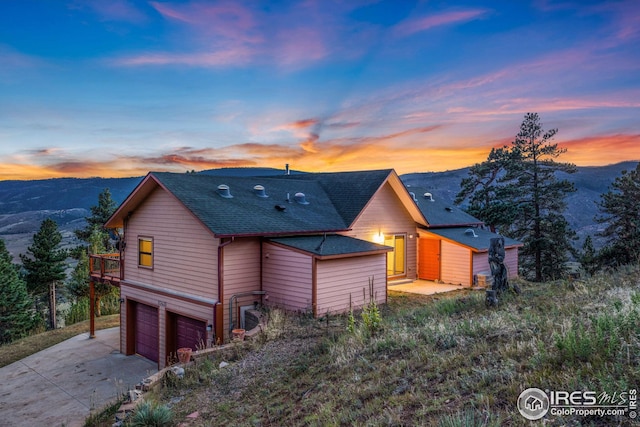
106 266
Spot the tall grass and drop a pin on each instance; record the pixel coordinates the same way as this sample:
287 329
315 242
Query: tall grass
444 360
79 309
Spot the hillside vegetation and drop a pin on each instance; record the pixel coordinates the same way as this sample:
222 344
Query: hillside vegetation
442 360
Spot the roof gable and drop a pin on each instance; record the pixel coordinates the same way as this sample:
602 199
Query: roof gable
351 192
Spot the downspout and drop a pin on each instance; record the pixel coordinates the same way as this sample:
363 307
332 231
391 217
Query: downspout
218 309
314 287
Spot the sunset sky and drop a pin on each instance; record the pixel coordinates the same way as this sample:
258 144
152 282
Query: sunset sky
118 88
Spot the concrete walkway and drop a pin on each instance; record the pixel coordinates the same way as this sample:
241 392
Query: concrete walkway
64 384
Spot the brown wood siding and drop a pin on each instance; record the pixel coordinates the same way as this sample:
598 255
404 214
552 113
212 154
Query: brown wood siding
481 263
511 261
455 264
241 274
339 278
184 251
386 213
286 277
164 303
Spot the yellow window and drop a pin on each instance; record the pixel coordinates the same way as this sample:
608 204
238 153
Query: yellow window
145 252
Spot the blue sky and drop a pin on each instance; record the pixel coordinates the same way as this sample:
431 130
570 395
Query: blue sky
118 88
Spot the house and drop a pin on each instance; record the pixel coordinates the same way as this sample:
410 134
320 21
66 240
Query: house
197 251
454 246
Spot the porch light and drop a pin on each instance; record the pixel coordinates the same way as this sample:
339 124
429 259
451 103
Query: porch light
378 237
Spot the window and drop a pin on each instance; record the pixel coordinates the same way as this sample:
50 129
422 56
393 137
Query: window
145 252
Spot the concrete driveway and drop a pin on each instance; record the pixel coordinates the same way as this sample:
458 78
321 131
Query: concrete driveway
64 384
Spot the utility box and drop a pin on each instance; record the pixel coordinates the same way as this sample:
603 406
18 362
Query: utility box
483 280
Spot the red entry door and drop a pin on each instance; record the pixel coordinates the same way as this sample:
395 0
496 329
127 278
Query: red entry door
429 261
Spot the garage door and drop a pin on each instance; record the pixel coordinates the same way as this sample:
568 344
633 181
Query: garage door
147 331
190 332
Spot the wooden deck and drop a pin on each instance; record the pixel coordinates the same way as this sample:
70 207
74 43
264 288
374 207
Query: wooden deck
106 268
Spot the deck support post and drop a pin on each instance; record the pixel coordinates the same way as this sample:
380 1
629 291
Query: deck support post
92 309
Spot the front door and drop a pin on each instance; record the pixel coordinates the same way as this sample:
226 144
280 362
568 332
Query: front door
396 260
429 261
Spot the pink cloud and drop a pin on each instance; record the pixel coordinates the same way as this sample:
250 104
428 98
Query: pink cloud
412 26
230 20
236 56
298 46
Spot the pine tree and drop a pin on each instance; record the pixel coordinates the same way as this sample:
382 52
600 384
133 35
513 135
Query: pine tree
16 309
78 284
621 209
45 265
98 242
483 190
538 196
100 213
518 192
588 258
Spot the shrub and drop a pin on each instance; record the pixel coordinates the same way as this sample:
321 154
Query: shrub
150 414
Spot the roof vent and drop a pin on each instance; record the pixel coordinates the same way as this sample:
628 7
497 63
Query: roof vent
413 195
280 208
429 197
300 198
448 209
223 190
260 191
470 232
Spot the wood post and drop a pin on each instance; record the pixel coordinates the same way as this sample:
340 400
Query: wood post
92 308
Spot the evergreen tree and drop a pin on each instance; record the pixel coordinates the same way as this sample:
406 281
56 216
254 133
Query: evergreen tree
99 215
539 197
588 257
78 284
44 265
517 190
16 310
483 190
621 209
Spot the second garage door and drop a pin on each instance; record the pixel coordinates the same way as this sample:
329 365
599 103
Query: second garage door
190 332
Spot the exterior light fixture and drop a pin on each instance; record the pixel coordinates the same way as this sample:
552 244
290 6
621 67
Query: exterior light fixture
378 237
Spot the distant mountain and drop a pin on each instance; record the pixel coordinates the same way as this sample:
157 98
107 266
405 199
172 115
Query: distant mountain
582 206
25 204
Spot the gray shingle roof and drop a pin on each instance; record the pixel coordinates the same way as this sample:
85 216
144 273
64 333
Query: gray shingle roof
465 236
440 213
246 213
330 245
348 191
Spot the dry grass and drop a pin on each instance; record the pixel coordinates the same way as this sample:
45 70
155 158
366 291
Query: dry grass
22 348
443 361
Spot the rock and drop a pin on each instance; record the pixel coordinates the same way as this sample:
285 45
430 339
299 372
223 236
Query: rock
223 364
178 371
